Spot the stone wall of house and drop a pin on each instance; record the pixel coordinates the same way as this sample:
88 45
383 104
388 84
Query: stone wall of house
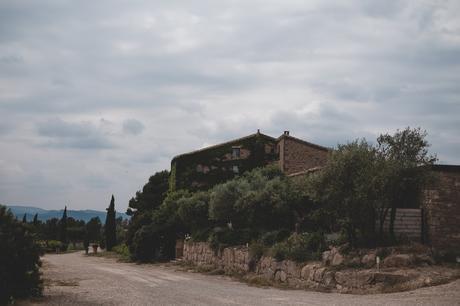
407 223
442 208
296 155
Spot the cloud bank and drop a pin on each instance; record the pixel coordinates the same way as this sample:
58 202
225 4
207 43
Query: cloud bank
97 96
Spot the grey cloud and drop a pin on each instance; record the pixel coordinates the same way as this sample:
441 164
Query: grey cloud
202 72
133 127
62 134
5 128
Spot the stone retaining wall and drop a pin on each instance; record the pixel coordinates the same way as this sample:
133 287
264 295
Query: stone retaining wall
231 260
328 274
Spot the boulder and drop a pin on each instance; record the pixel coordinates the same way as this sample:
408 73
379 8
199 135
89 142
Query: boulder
292 269
308 271
269 274
354 279
280 276
399 260
391 278
424 259
294 282
326 258
369 260
329 279
337 260
341 277
319 273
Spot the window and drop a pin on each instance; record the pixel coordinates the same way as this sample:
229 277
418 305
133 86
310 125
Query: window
235 169
236 152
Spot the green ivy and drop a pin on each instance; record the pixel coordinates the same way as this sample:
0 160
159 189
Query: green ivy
185 176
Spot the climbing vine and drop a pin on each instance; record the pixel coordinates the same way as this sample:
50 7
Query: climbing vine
184 174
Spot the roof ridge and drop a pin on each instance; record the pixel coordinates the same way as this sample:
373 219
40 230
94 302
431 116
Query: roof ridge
304 141
223 144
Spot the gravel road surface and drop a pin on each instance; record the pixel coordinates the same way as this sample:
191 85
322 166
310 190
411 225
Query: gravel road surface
76 279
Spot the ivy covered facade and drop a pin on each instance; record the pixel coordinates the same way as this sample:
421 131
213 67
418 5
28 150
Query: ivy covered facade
202 169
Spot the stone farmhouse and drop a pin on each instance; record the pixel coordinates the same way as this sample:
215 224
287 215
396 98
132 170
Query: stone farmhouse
435 221
206 167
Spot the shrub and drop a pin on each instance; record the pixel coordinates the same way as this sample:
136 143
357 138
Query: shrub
53 245
256 250
193 213
280 251
123 251
19 260
299 247
144 246
306 246
270 238
222 237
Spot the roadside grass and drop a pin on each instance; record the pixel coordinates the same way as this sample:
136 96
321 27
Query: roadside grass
119 252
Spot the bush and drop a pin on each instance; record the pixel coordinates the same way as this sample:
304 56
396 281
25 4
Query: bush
19 260
122 250
280 251
222 237
53 245
270 238
256 250
299 247
145 244
193 213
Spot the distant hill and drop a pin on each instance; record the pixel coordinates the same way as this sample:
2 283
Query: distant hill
44 214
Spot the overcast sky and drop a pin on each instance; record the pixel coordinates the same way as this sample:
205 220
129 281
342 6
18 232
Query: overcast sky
96 96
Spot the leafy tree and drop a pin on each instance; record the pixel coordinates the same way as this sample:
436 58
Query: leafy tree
122 227
19 260
75 230
407 154
110 226
259 199
63 229
345 187
142 206
152 194
93 229
361 182
224 198
193 213
51 229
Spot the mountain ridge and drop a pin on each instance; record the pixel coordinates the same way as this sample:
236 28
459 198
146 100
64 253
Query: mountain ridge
46 214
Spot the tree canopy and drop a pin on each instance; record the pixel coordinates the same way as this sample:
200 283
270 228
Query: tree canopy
19 259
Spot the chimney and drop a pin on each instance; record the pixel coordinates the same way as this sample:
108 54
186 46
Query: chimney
286 133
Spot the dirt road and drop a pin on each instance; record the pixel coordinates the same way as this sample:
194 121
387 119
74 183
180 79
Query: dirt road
75 279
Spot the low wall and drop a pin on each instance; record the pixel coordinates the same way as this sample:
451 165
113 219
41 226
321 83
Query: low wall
231 260
320 275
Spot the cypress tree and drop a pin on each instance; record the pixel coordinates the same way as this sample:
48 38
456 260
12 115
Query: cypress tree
35 221
63 229
110 226
24 219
